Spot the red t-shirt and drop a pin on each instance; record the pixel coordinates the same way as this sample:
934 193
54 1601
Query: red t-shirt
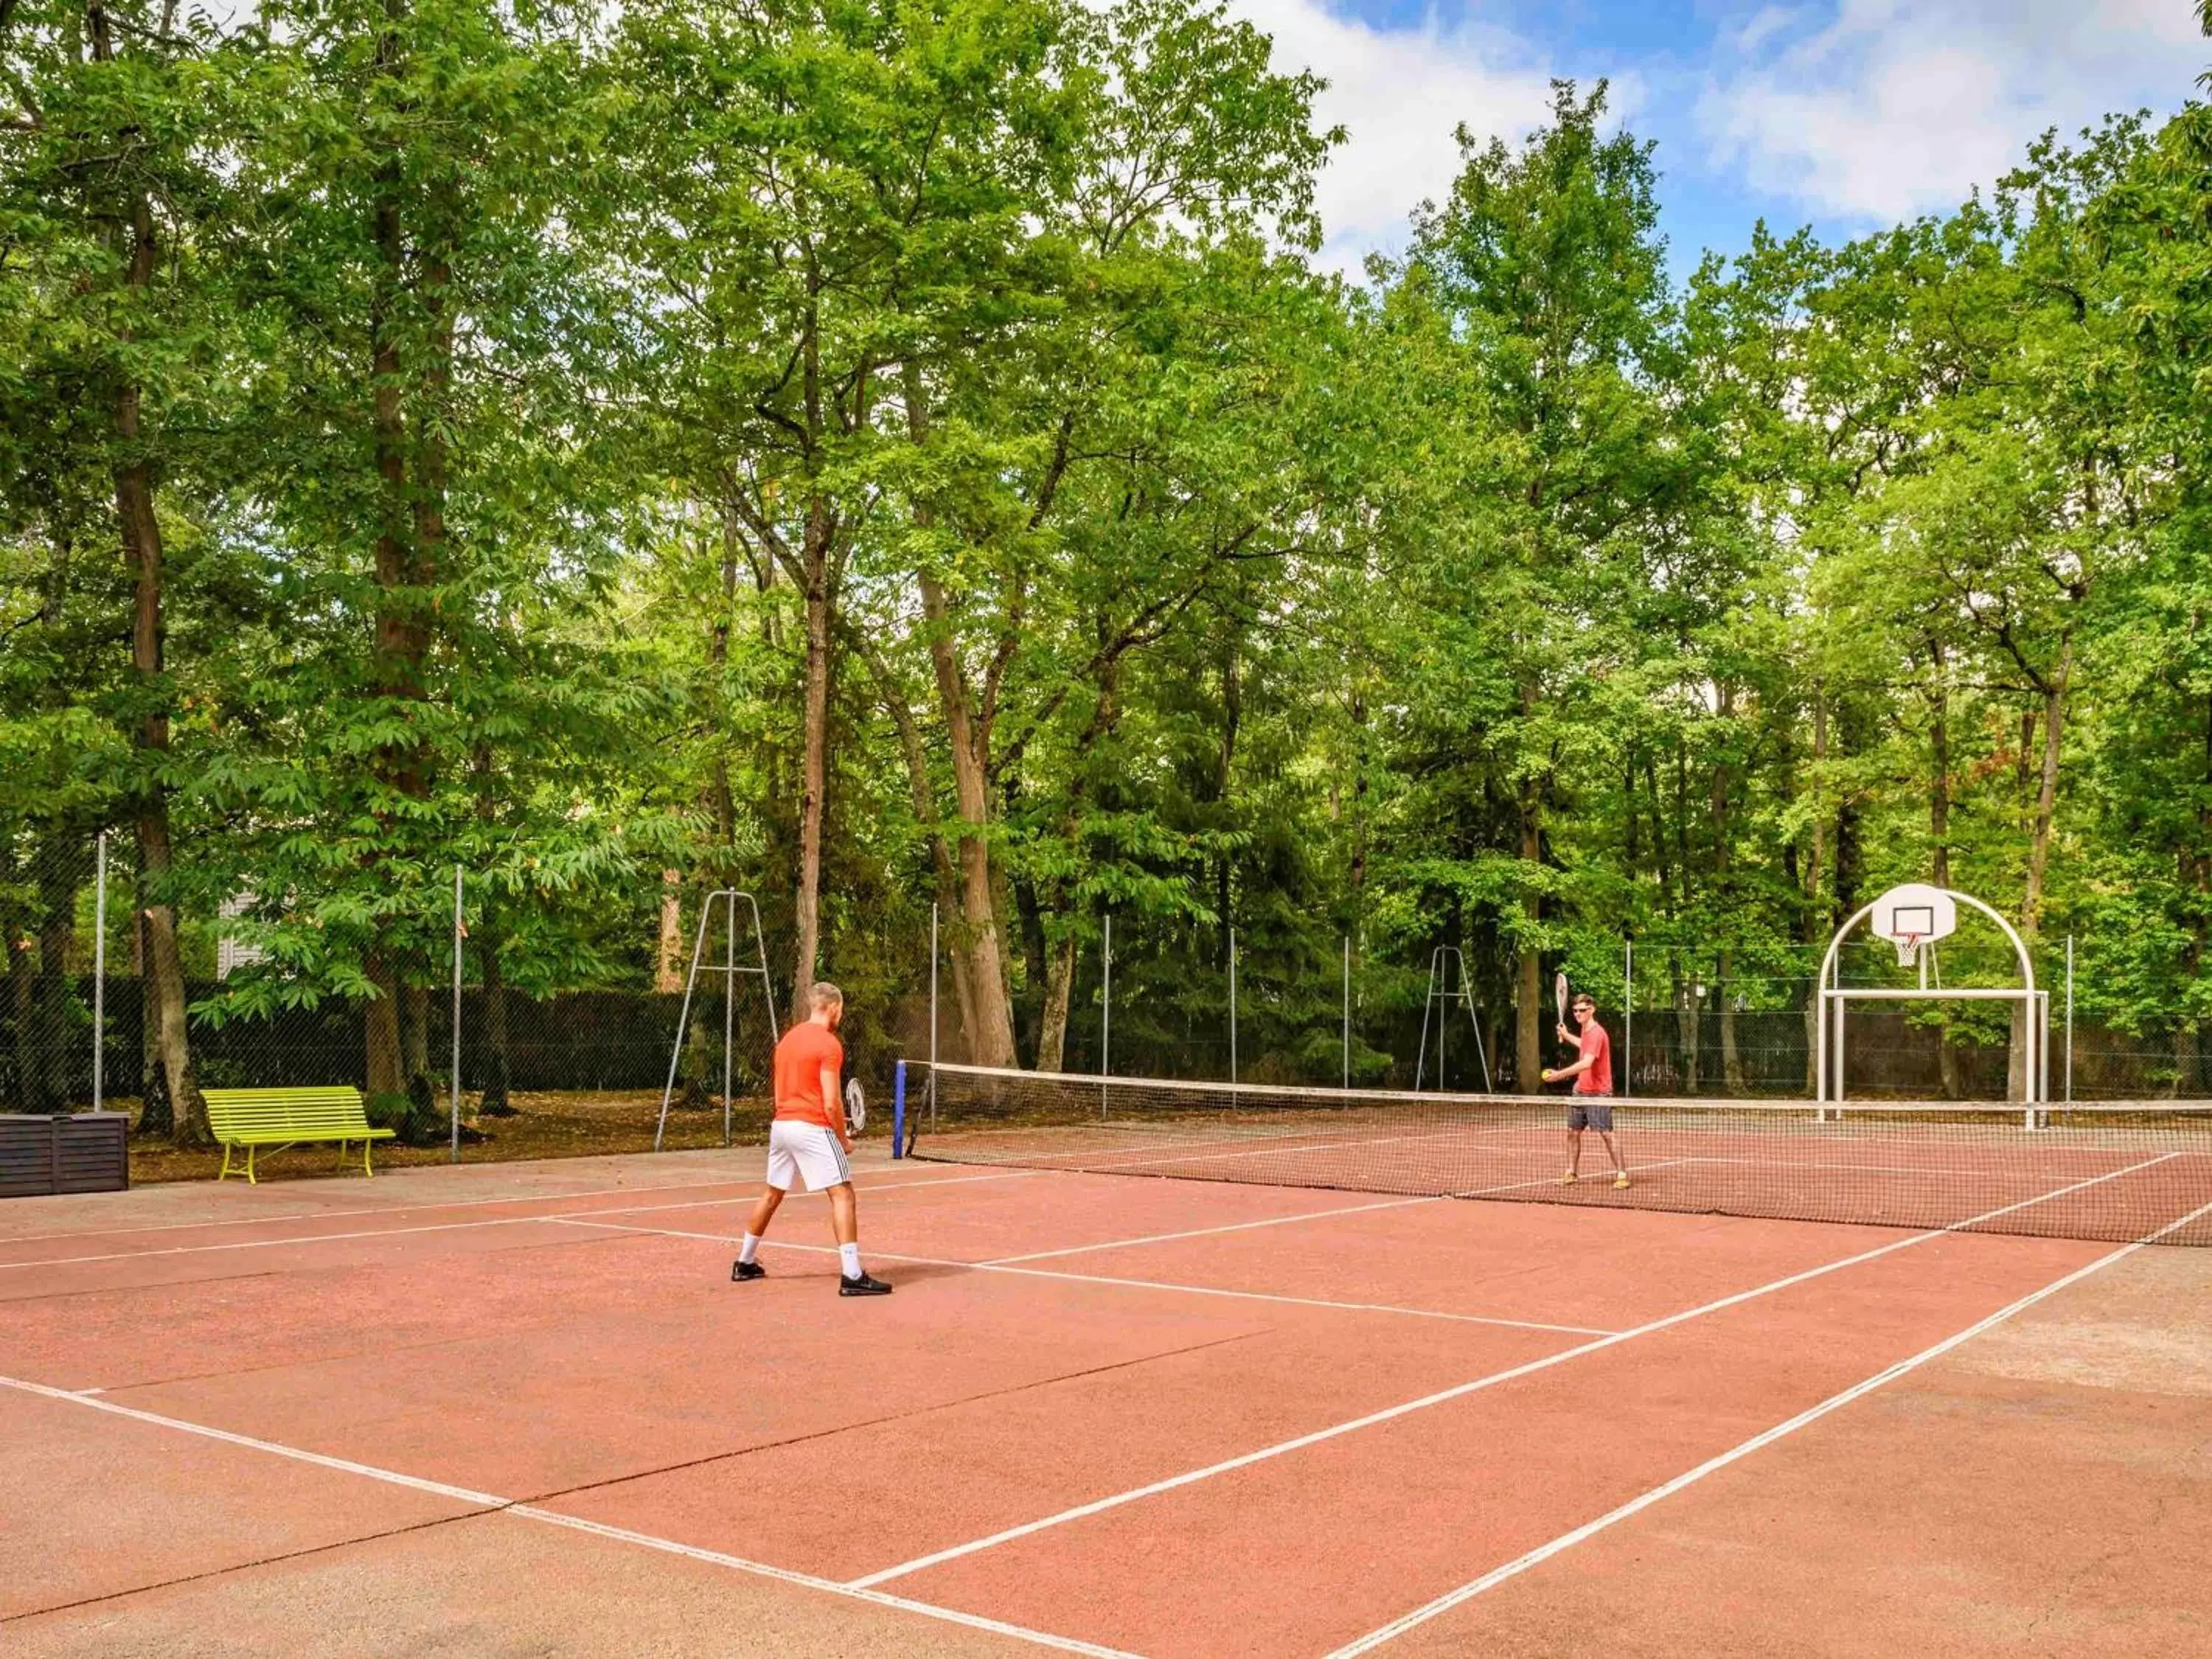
1598 1081
801 1057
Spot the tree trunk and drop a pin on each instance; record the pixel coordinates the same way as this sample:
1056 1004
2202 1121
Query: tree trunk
1819 922
22 1005
1052 1021
381 1030
1948 1058
406 563
1724 963
1059 974
924 796
814 766
157 1119
141 535
1732 1076
46 1058
414 1032
493 1102
1687 1020
992 1035
668 970
1529 1005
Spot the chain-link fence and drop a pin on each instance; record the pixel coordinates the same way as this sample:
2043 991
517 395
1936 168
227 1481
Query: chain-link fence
547 1068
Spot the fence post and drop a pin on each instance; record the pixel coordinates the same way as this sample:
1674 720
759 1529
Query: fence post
898 1110
2069 1019
1232 1005
453 1100
1105 1015
1347 1010
933 1019
100 971
1628 1017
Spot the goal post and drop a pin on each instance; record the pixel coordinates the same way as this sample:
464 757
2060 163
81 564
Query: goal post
1913 918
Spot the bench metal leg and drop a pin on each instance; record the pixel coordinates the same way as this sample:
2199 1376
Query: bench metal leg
225 1174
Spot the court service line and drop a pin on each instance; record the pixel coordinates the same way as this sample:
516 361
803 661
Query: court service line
483 1503
1132 1284
739 1198
1390 1414
1589 1530
1204 1232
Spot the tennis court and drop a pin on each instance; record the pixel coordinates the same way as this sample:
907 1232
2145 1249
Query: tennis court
1269 1408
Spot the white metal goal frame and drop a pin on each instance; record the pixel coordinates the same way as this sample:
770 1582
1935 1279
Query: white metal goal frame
1834 999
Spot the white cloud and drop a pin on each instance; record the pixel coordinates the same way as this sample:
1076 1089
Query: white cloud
1401 91
1882 109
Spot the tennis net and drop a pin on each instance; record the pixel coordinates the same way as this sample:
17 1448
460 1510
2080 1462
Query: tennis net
2118 1173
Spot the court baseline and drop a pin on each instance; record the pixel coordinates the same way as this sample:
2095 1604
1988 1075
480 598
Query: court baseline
1101 1279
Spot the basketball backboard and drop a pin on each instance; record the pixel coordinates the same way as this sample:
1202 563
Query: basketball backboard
1912 916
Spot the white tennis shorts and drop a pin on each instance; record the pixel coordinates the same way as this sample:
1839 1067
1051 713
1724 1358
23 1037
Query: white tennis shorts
808 1151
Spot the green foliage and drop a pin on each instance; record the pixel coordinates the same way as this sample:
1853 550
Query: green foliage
537 393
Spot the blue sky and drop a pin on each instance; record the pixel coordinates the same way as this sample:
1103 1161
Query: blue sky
1845 114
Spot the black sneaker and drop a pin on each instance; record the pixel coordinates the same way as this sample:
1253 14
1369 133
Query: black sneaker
741 1271
863 1285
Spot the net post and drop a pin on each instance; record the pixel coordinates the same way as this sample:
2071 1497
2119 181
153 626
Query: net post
898 1111
453 1100
99 971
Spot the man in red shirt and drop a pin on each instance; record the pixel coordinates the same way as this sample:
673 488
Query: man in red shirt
1592 1105
808 1141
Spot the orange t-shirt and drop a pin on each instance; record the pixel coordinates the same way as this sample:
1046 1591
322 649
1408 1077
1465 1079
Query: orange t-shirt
800 1058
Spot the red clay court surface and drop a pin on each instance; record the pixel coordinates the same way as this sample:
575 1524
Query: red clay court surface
521 1409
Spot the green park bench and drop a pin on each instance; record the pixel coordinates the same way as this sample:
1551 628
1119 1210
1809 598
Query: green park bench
279 1118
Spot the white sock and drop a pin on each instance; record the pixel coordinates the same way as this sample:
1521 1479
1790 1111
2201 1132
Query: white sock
750 1249
848 1258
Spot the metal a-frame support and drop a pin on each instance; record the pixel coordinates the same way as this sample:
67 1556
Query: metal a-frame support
1447 983
730 972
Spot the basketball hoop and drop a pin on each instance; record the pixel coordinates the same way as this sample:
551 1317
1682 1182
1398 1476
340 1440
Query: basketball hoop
1908 949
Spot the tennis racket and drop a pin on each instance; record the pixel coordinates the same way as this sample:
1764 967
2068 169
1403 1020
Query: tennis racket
856 1106
1559 994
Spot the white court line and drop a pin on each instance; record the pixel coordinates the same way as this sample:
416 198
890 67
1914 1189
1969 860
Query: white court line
1391 1413
489 1502
1567 1541
341 1213
1104 1279
745 1197
1284 1220
1203 1232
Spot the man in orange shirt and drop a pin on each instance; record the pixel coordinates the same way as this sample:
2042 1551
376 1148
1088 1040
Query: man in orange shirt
808 1141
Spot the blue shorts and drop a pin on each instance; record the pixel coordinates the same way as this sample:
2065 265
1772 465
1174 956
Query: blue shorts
1590 1111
